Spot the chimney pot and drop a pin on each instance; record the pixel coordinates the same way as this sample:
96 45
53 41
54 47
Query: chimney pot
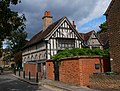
47 13
74 24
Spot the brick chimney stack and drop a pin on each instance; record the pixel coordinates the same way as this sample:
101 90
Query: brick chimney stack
46 20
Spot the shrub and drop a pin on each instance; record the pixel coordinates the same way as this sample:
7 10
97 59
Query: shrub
79 52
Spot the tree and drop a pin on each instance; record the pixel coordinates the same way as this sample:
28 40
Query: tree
12 27
103 28
0 48
18 59
16 41
9 20
7 55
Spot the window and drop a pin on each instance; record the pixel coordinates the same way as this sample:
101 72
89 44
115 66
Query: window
32 58
66 43
97 66
36 57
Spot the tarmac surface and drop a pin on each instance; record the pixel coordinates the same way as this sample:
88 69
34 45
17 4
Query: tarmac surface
12 82
9 83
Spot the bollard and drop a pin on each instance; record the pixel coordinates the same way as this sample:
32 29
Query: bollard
14 71
23 74
19 72
1 70
37 77
29 76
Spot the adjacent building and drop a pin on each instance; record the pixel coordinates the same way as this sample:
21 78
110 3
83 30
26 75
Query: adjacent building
113 21
91 40
104 38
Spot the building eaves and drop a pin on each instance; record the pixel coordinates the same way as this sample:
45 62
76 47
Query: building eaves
109 7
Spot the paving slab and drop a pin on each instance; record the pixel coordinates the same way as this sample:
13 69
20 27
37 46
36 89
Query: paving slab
62 86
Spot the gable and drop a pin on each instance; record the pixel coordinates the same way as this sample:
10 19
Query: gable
59 26
93 40
64 30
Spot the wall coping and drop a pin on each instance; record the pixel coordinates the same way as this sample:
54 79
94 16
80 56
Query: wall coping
78 57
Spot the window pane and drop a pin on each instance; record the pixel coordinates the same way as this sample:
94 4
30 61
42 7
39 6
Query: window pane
97 66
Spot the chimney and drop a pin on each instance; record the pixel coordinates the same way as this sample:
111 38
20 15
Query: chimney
73 23
46 20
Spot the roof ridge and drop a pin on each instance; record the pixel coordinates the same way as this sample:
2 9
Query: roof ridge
41 35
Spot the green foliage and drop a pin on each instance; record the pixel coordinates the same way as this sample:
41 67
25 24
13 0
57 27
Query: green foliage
79 52
103 28
18 59
0 48
10 20
16 40
7 55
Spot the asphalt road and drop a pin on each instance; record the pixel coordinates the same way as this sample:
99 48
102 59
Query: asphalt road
10 83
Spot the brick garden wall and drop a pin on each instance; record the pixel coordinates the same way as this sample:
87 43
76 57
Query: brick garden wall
69 71
76 70
30 67
88 68
50 70
105 82
113 21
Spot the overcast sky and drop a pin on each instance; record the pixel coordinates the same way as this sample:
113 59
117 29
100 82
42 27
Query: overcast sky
87 14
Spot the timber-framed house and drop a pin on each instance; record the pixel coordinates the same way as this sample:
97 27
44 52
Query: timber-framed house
48 42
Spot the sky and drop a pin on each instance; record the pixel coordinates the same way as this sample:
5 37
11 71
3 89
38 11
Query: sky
87 14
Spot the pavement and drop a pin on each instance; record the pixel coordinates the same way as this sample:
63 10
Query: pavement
53 85
62 86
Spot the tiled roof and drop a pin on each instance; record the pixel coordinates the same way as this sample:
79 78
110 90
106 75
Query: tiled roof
104 37
82 35
109 7
86 36
42 34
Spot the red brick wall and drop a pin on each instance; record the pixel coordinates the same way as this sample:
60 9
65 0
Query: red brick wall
88 68
113 21
105 82
50 70
69 72
30 67
26 69
76 71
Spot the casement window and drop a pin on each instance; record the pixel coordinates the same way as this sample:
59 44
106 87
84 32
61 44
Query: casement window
66 43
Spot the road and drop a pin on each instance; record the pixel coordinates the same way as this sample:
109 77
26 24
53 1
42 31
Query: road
10 83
